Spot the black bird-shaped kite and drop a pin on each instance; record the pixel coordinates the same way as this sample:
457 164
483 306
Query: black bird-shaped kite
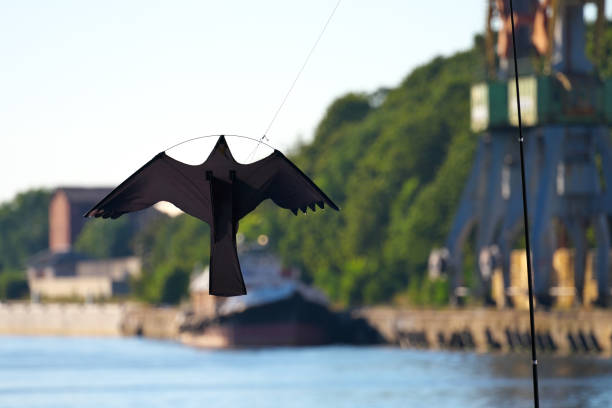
220 192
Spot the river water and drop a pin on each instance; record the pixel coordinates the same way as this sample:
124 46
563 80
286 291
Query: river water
97 372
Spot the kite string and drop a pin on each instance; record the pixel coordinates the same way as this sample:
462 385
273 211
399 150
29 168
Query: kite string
301 69
264 136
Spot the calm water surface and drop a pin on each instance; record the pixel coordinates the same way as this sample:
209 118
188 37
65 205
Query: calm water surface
93 372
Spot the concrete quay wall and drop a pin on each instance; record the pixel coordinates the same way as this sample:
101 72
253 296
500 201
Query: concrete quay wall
491 330
73 319
481 330
152 322
61 319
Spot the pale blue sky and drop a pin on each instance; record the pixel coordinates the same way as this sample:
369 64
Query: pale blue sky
89 91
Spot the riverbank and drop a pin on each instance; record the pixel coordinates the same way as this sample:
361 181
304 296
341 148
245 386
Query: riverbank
75 319
491 330
61 319
481 330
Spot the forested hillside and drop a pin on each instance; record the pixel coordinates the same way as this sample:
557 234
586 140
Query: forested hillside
396 171
395 161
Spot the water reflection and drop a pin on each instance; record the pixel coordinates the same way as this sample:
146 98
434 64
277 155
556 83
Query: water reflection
48 372
564 381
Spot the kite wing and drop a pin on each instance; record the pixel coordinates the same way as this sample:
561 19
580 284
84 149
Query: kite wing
161 179
277 178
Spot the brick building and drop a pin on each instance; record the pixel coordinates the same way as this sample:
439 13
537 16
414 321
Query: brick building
66 209
60 272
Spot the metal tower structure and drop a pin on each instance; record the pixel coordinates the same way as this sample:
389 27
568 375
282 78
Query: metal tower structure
567 109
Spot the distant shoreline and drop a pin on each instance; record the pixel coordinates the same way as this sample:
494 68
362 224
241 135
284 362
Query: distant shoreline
480 330
61 319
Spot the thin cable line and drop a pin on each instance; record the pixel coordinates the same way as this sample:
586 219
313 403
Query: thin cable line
534 360
264 137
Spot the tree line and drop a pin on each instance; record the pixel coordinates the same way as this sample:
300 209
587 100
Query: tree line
395 161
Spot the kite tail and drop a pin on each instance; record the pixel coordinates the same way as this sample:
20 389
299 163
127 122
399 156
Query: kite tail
225 277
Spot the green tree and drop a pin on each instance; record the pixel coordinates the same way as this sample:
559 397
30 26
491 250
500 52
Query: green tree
13 285
24 228
170 248
106 239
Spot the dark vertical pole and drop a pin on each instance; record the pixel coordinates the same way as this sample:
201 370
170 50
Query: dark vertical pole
534 360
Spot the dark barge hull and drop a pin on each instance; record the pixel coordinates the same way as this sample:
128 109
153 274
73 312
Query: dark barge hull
293 321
